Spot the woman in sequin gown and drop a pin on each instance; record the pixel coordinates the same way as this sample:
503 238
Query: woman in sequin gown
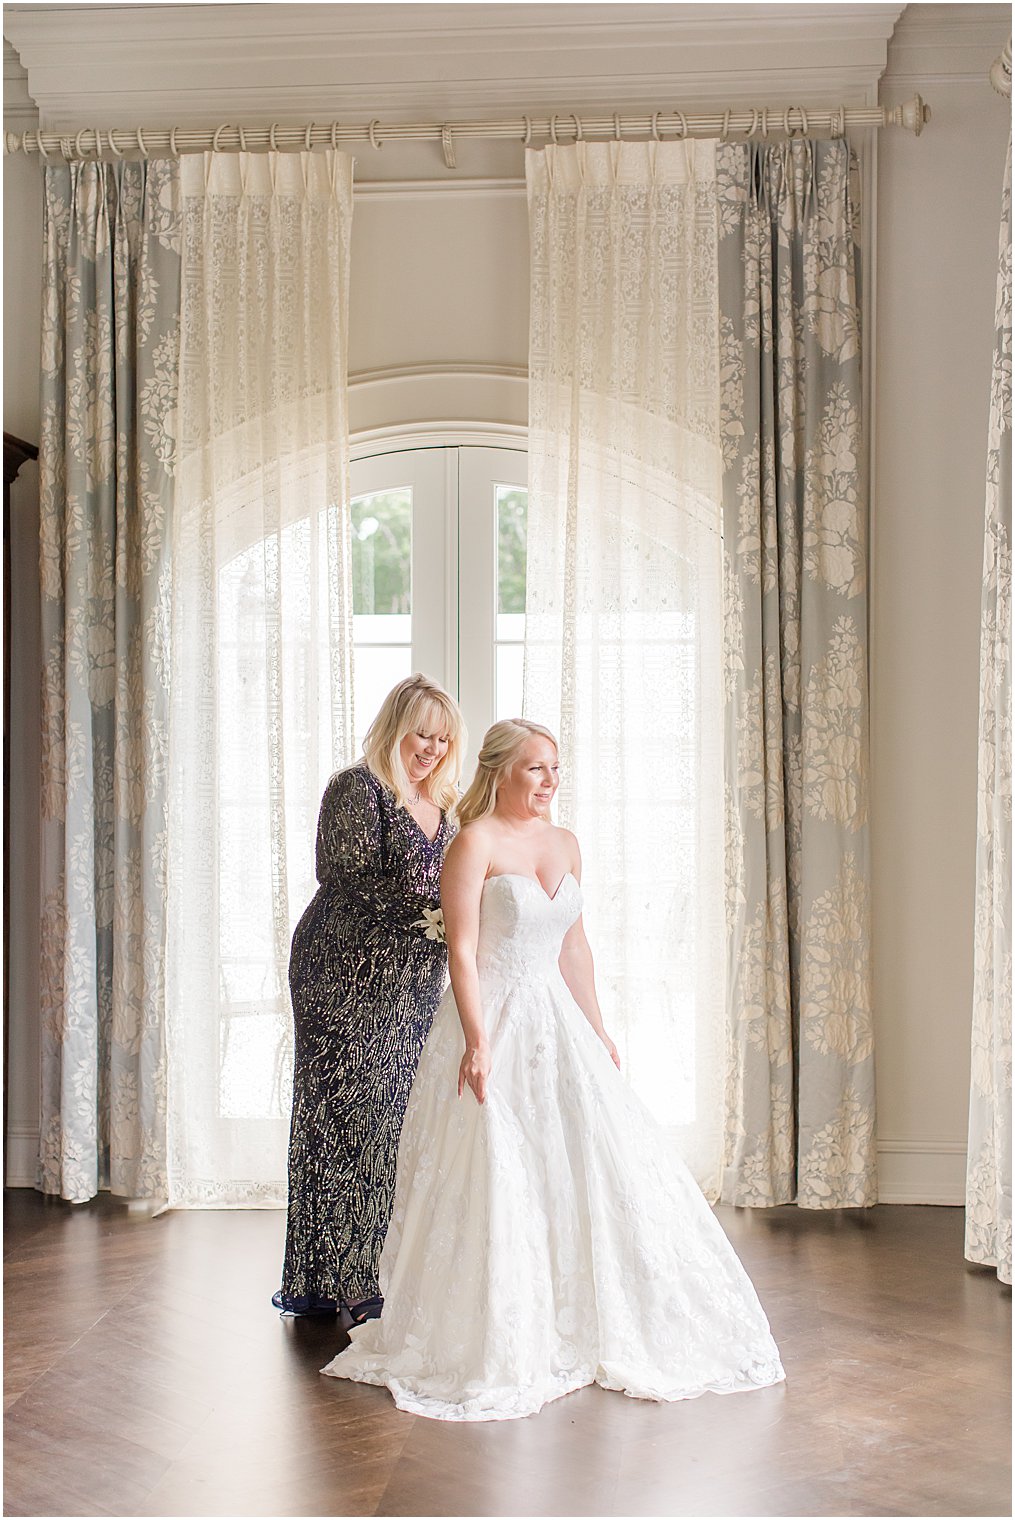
367 970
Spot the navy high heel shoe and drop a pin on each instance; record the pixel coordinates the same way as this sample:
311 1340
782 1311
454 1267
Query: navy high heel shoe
361 1310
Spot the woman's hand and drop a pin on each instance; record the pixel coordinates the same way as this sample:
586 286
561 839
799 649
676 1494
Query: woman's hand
614 1056
475 1070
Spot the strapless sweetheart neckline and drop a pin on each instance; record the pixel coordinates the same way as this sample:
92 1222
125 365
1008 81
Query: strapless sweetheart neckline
520 876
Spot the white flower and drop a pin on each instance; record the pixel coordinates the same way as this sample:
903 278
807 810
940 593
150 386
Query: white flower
432 924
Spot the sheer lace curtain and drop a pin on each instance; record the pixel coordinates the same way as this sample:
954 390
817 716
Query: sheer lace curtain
261 643
988 1176
623 633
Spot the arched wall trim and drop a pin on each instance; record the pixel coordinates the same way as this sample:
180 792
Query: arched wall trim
419 406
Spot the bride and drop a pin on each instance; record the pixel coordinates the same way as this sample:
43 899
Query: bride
543 1236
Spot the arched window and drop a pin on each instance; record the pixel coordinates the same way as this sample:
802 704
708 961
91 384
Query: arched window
438 567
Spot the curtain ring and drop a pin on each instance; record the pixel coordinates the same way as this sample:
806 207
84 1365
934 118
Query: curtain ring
764 122
271 136
117 152
724 135
98 143
215 137
43 150
578 131
372 134
174 150
655 126
837 122
616 126
553 128
66 148
754 122
787 129
334 137
448 147
79 152
307 145
804 126
527 139
142 146
243 139
682 122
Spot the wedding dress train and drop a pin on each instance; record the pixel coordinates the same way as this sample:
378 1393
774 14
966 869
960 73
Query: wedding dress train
547 1238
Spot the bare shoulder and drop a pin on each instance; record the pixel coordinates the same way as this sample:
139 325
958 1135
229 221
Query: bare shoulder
568 843
470 846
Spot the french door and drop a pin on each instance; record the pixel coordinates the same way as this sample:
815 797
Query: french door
438 561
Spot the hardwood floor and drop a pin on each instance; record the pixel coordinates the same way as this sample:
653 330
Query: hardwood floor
147 1374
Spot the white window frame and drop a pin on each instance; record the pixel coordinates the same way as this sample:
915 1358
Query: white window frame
453 476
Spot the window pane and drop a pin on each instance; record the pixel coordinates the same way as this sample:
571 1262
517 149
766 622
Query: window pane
394 629
382 552
377 671
382 597
511 627
509 681
512 504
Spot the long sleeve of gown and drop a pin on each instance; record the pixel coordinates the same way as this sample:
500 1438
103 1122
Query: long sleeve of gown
351 852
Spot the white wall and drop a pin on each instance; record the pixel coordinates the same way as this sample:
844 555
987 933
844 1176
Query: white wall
440 284
22 307
939 200
438 327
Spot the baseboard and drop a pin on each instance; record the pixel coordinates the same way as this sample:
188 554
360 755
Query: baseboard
922 1171
22 1159
909 1171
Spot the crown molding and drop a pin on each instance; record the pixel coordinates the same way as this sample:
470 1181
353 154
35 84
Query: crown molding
21 114
177 64
946 44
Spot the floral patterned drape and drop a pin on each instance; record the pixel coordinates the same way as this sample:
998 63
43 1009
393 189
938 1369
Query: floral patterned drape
800 1106
988 1176
110 343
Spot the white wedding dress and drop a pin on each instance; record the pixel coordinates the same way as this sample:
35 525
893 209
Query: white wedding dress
547 1238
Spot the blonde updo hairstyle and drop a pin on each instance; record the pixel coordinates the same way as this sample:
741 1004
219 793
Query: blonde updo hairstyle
502 745
417 705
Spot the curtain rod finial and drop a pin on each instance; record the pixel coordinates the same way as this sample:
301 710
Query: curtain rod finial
1000 72
914 115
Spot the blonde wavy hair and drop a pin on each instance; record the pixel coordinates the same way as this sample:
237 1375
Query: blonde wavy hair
501 746
417 705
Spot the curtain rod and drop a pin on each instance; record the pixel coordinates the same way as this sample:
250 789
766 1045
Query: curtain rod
92 142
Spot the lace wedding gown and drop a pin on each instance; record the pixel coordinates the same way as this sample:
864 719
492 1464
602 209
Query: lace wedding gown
547 1238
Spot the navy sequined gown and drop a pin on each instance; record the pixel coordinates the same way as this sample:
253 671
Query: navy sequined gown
365 983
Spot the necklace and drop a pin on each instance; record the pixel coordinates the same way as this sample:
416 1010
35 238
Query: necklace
415 799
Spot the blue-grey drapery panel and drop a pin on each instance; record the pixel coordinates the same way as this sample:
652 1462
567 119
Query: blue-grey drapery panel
800 1099
988 1174
110 345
